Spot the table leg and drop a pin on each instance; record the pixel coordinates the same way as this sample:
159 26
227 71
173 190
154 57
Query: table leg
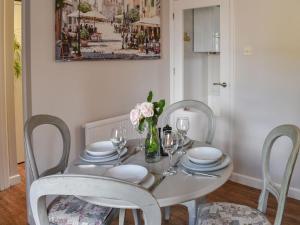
193 208
167 212
136 216
122 216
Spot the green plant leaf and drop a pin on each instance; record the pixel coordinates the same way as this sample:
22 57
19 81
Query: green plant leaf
84 7
17 58
142 124
150 96
134 15
161 105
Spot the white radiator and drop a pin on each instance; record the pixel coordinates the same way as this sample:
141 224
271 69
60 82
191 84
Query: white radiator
100 130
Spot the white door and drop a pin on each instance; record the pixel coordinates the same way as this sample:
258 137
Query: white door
219 65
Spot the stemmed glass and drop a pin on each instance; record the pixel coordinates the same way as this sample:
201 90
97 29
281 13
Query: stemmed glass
118 139
140 133
170 145
182 125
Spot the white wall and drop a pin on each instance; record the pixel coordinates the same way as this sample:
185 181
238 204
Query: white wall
267 83
79 92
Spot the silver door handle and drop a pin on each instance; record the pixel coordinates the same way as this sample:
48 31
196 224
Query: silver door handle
224 85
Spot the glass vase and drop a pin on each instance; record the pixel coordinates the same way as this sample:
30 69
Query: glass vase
152 144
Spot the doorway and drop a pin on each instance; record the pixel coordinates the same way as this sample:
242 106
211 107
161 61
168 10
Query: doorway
11 96
202 59
18 82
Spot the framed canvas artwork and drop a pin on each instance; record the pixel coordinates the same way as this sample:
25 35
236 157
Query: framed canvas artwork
107 29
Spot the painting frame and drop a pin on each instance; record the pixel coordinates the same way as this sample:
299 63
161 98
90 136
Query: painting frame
107 30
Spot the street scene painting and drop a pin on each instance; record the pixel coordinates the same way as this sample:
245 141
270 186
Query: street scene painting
107 29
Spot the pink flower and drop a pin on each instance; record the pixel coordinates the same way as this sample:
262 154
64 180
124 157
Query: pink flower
135 115
147 109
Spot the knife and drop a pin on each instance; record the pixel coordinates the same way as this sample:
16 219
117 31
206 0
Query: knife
192 173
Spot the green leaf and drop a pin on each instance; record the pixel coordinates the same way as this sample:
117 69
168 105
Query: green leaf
84 7
17 58
150 96
142 125
161 105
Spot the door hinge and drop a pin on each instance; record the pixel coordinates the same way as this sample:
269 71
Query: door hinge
173 16
174 71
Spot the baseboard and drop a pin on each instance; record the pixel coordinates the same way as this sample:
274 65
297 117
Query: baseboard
13 180
257 183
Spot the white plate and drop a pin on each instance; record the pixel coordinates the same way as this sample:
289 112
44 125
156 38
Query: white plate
96 159
130 173
186 163
204 155
102 148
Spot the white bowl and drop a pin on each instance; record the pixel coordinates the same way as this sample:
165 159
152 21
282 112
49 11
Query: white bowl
204 155
102 148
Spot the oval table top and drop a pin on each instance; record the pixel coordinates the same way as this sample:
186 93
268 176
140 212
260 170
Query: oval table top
172 190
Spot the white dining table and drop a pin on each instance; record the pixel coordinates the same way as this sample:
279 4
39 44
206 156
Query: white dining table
177 189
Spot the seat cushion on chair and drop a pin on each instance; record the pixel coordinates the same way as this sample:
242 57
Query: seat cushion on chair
230 214
69 210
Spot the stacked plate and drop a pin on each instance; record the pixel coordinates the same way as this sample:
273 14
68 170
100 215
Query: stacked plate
101 152
205 159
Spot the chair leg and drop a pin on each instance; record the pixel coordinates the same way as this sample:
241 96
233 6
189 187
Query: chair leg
167 213
122 216
193 208
136 216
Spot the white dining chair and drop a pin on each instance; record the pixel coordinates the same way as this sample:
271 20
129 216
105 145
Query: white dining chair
39 120
221 213
199 107
211 126
110 192
30 125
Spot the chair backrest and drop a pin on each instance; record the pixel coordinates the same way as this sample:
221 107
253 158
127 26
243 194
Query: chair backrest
109 192
193 104
36 121
269 186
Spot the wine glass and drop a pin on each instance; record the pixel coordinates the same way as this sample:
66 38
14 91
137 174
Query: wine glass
118 139
140 133
182 125
170 145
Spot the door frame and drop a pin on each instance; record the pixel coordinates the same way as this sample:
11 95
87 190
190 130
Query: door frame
176 82
176 93
8 158
27 94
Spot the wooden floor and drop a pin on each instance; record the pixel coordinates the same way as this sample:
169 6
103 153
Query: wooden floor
13 207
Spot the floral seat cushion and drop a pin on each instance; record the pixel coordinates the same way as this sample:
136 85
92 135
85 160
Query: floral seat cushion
69 210
230 214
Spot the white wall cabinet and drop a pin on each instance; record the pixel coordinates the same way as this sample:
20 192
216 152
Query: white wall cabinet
207 29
